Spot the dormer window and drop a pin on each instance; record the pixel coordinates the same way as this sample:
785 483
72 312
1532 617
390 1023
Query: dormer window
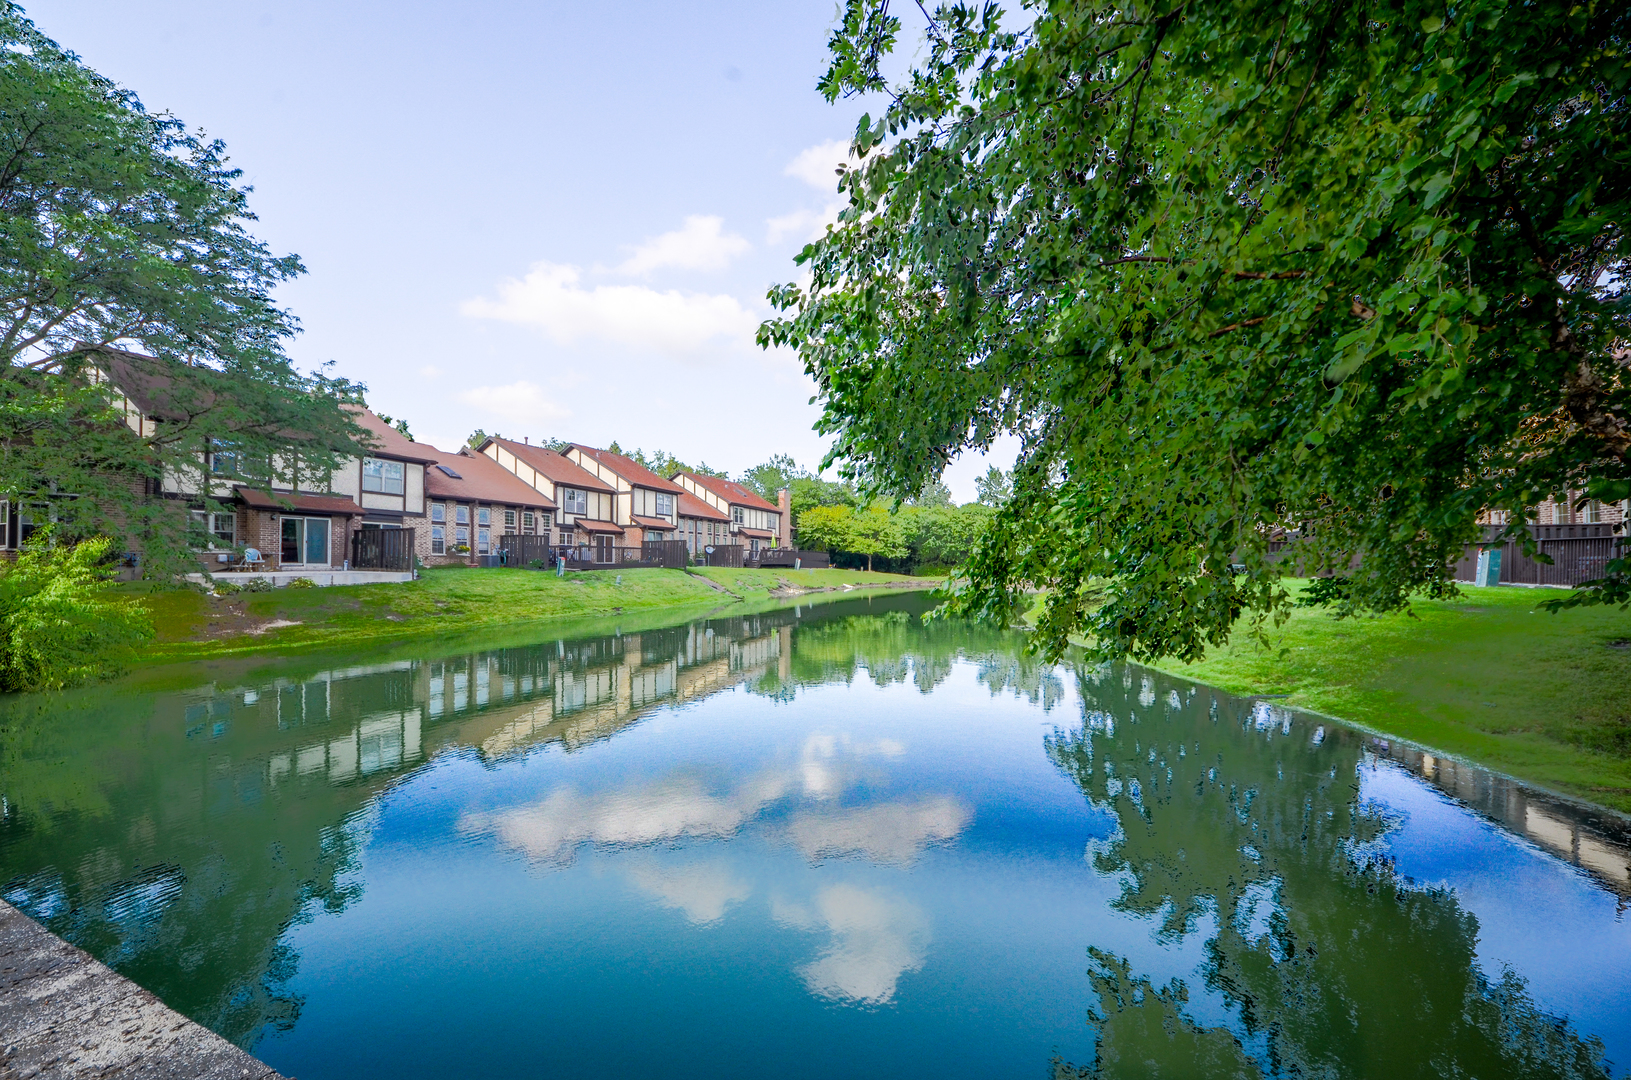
665 505
385 477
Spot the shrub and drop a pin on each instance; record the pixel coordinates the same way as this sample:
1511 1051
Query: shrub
227 588
538 564
57 626
301 583
257 585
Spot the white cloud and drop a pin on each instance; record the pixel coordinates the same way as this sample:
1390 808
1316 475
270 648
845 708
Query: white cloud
520 401
430 371
817 165
551 298
892 834
700 244
805 224
703 893
876 938
549 831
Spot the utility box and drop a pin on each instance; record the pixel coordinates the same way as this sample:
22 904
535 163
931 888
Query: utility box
1489 567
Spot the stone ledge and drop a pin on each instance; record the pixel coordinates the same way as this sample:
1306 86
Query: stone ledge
65 1015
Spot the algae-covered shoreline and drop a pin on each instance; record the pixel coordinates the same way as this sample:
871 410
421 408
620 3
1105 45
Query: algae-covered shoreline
1485 677
501 603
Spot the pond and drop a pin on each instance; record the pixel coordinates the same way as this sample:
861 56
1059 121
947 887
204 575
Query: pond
820 841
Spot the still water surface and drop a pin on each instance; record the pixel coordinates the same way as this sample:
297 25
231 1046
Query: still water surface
816 842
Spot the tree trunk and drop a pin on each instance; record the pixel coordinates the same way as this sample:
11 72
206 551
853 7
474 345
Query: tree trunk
869 562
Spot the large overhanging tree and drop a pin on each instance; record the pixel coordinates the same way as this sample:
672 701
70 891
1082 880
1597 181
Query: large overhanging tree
1351 272
120 227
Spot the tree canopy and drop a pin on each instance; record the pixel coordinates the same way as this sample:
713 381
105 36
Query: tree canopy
1349 273
119 227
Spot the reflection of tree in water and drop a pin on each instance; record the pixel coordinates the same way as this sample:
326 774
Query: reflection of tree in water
179 872
898 646
1235 819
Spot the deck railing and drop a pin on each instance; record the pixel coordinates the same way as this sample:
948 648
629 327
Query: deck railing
537 551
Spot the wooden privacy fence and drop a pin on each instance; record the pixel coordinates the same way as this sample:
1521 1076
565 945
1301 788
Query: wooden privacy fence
382 549
1578 553
778 557
527 550
725 555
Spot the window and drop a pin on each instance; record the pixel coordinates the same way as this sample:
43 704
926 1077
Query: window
382 476
509 520
574 501
665 505
223 528
544 520
527 520
484 541
438 512
438 539
461 537
461 514
224 460
736 514
484 516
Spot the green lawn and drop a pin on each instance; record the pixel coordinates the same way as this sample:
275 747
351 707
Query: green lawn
1546 698
192 625
762 582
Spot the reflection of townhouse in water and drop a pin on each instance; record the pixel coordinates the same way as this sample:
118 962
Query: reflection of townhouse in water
366 723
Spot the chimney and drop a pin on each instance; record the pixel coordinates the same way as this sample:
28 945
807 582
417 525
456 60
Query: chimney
527 439
784 537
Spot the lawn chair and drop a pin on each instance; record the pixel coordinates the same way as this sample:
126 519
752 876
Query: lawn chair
252 560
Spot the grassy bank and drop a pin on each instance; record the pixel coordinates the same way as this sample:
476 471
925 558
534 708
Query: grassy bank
191 625
1545 698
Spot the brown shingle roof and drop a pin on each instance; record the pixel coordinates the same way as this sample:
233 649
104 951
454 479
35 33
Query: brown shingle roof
481 479
389 442
311 504
593 526
556 467
652 523
160 389
628 469
693 507
730 491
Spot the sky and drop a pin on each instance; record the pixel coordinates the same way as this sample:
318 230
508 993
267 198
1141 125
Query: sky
537 219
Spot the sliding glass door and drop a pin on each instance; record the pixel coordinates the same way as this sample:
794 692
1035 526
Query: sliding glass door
305 541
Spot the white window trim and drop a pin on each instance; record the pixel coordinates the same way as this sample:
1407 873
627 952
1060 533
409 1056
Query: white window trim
386 472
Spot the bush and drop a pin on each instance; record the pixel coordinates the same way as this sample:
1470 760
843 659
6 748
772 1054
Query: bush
227 588
57 627
538 564
256 585
301 583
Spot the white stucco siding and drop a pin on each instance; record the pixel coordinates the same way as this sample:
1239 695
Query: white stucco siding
415 477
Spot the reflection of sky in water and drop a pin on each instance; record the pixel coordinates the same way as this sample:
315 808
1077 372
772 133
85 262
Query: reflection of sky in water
790 877
1531 908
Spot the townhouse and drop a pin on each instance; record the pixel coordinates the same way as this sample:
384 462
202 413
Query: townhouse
644 504
472 503
753 522
298 519
584 503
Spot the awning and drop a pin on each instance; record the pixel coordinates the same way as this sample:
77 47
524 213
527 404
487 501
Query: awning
589 526
757 534
305 504
655 523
